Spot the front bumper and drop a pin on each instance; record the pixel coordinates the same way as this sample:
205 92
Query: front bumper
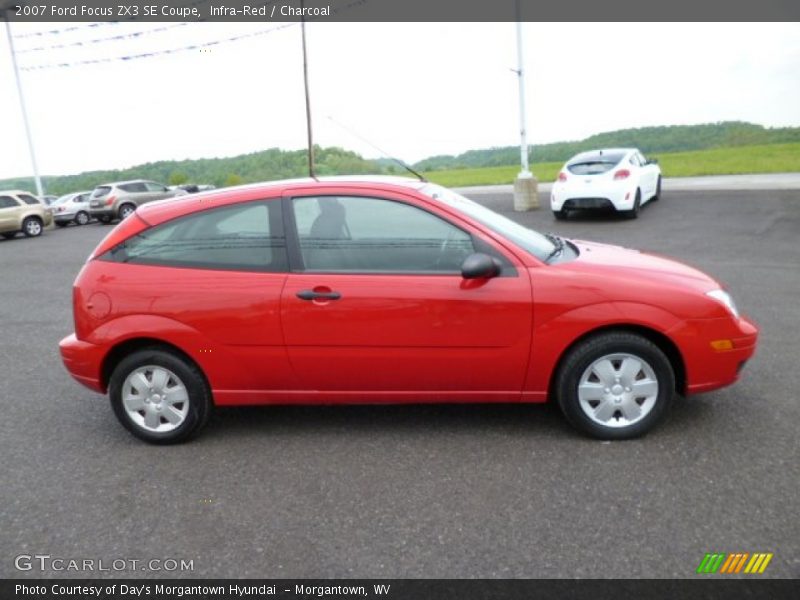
83 361
64 217
708 368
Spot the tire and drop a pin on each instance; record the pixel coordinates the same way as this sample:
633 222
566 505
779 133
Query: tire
637 206
597 384
560 215
658 190
61 224
10 235
139 389
82 218
105 219
126 210
32 227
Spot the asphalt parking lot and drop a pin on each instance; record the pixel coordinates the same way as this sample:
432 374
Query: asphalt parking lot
431 491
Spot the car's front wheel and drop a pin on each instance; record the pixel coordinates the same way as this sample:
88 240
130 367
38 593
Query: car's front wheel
105 219
560 215
159 396
658 189
615 385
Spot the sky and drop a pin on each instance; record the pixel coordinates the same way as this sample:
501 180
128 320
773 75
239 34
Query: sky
413 89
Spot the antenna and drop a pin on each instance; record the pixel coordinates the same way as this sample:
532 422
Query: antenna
308 100
386 154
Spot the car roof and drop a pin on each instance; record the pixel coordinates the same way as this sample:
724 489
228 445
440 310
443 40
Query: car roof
125 182
17 192
161 210
593 153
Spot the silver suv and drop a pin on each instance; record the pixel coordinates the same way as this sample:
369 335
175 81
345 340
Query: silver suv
118 200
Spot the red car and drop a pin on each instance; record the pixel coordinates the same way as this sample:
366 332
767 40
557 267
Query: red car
386 290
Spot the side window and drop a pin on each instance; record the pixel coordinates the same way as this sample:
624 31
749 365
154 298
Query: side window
136 188
8 202
371 235
28 199
246 237
154 187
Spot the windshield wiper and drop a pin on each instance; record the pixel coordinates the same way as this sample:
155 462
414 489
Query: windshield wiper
558 244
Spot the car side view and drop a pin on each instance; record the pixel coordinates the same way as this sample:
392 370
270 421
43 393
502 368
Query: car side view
386 290
621 179
111 201
22 212
72 208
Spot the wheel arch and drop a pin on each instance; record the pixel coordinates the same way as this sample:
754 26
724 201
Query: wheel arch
126 347
662 341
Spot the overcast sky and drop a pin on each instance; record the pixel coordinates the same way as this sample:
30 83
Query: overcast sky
412 89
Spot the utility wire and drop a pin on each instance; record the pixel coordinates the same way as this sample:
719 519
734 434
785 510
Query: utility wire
123 36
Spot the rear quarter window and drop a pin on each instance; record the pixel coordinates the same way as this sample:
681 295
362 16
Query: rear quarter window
246 237
101 191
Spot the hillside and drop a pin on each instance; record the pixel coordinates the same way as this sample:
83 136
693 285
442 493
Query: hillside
674 138
275 163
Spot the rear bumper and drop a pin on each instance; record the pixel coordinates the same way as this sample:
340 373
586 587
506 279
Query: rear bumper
707 368
82 360
599 196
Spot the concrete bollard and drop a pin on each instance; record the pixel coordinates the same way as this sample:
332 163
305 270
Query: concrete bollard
526 192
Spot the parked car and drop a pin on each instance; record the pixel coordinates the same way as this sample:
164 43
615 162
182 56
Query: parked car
48 199
72 208
118 200
356 290
617 178
21 211
193 188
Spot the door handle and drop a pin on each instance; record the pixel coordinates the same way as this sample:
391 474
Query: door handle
312 295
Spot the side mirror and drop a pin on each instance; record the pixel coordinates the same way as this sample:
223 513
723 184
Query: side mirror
480 266
652 161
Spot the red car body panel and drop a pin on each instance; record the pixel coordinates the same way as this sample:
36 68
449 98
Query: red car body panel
391 337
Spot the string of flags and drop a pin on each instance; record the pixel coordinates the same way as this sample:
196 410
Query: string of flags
142 55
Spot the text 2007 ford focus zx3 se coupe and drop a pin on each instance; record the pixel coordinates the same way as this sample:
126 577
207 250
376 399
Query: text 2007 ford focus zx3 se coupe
386 290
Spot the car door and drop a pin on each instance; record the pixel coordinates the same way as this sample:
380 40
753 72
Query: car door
9 214
375 308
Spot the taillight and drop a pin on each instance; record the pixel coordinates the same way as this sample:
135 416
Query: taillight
622 174
562 176
110 200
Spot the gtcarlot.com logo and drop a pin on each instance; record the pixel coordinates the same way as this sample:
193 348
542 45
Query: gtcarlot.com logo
734 562
46 562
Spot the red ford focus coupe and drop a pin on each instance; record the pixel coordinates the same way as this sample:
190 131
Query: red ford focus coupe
386 290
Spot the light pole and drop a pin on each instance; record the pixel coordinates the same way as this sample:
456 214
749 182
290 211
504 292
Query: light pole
39 188
526 187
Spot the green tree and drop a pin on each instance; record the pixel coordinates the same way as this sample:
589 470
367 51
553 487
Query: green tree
178 177
232 179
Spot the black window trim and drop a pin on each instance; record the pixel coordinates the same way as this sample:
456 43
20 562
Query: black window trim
297 266
106 256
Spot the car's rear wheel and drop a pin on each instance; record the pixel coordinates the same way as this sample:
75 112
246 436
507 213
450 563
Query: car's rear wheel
105 219
126 210
560 215
9 235
615 385
32 227
82 218
61 223
159 396
658 189
637 206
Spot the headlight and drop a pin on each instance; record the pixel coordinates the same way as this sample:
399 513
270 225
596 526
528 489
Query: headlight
725 298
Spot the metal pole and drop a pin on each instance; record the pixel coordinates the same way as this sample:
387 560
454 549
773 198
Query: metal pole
523 148
308 101
39 188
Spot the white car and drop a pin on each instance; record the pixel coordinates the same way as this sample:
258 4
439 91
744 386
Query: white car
72 208
618 178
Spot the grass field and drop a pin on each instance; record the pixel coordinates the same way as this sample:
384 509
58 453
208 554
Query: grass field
772 158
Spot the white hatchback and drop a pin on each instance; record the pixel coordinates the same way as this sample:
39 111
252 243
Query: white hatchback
618 178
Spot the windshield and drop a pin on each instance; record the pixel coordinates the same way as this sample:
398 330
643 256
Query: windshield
527 239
